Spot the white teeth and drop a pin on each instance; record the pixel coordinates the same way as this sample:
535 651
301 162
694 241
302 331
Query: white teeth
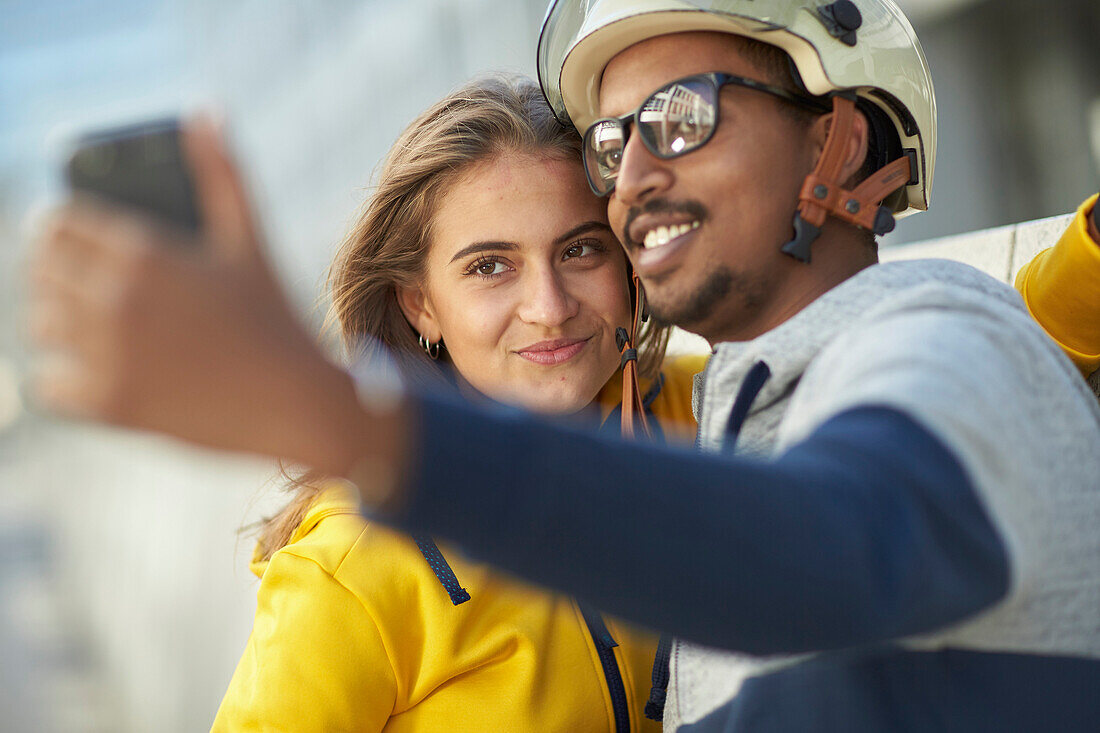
662 235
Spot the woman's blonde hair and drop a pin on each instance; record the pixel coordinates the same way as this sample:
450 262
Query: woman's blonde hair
387 247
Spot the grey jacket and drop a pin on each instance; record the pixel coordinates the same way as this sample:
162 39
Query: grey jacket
955 350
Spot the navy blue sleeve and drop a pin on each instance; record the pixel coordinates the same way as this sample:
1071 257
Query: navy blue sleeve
867 530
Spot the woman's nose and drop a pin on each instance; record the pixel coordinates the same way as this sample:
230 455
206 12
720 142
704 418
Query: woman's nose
546 299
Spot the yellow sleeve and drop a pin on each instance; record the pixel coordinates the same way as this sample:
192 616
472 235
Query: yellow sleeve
1061 287
315 660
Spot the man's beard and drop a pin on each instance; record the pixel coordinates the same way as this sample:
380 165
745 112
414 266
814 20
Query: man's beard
704 301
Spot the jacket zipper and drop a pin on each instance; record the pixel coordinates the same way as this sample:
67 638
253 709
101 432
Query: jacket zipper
605 648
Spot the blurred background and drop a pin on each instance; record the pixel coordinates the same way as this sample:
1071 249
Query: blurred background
125 598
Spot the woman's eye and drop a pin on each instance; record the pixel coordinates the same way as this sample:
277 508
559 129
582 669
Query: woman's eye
487 268
582 249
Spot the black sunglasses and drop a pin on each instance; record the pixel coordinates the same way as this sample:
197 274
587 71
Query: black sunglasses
674 120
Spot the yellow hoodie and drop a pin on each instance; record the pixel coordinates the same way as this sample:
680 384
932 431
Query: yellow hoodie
355 632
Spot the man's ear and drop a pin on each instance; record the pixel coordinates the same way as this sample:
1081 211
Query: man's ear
418 312
855 149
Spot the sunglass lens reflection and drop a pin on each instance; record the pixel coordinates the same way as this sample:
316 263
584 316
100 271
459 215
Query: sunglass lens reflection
678 118
603 153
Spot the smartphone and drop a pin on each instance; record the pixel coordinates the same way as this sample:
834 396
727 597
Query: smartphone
141 166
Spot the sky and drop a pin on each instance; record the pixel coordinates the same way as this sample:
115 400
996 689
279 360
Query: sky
66 65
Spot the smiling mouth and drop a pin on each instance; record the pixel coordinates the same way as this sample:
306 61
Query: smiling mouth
550 353
662 235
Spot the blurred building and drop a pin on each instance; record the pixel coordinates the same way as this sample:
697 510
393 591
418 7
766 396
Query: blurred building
1018 98
132 579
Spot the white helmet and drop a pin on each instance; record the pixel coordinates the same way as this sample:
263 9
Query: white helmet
861 47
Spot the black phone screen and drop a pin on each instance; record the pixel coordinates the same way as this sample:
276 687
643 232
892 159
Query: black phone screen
140 166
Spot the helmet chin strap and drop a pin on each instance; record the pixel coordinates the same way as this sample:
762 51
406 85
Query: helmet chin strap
824 195
633 411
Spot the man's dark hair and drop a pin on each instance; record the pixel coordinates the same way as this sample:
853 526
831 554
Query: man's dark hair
779 69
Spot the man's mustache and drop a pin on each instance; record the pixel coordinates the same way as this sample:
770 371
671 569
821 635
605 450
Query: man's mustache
694 209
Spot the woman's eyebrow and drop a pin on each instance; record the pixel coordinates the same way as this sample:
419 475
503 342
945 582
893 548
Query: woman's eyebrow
472 249
491 246
584 228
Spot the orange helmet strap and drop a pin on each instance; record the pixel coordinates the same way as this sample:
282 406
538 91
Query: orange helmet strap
823 194
633 411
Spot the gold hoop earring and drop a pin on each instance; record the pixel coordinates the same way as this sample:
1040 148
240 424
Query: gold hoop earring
432 350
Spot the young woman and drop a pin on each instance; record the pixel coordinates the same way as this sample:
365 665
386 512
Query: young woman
483 253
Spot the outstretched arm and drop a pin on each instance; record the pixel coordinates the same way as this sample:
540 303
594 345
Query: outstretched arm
867 529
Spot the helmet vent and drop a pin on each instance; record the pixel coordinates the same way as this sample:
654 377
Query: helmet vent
842 19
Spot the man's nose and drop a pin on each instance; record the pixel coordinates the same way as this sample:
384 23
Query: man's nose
641 173
546 299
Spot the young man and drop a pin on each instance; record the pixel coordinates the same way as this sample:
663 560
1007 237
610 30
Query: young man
824 345
893 523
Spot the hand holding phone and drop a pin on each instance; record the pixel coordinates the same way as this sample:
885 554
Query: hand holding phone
197 343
